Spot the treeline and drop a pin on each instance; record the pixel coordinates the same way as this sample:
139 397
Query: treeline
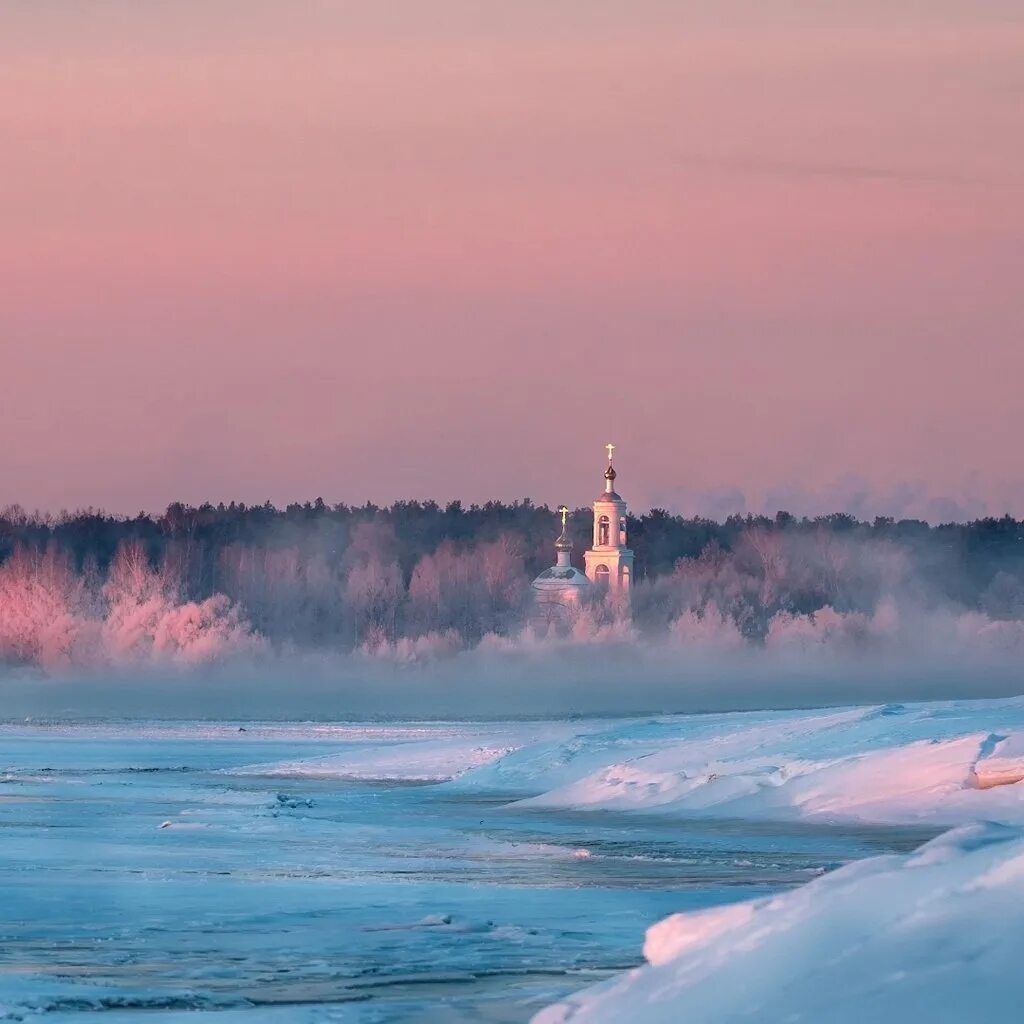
314 575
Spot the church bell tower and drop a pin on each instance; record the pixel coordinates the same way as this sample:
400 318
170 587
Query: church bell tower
609 562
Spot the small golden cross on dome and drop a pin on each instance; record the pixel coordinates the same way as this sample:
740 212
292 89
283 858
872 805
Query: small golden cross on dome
610 448
563 511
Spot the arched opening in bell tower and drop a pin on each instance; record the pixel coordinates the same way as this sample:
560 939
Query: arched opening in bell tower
603 530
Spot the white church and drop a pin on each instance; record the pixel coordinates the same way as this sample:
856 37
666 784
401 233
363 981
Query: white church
609 562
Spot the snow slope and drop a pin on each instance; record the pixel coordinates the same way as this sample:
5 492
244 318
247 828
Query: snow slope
935 935
947 763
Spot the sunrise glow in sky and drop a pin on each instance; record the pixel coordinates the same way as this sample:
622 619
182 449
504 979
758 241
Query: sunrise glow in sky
274 249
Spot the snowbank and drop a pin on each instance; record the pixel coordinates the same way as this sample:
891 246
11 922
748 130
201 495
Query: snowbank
933 936
948 763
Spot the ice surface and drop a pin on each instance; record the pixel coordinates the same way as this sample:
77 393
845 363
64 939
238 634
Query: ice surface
291 873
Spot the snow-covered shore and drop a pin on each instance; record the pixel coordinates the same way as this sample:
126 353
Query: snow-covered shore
934 935
931 936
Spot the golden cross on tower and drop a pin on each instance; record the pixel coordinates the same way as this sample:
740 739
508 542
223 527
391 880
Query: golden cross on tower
563 511
610 448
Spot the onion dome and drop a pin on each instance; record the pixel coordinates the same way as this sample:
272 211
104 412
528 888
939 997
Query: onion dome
563 543
608 494
563 580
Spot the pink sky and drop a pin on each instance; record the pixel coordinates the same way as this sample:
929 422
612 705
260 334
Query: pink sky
449 248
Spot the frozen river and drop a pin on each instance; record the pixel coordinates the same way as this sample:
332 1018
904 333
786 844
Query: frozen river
165 872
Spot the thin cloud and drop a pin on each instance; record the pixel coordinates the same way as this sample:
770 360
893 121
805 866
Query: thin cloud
750 164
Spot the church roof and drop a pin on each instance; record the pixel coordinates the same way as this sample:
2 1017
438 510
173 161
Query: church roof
608 496
561 578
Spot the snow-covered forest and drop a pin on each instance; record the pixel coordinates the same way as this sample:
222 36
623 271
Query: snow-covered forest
416 579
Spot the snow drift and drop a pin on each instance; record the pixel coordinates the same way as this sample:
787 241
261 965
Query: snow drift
926 936
936 764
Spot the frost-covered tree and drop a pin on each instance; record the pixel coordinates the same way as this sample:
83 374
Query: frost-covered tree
147 619
49 616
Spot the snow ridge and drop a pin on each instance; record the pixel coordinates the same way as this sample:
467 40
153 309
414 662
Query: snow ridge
930 935
923 936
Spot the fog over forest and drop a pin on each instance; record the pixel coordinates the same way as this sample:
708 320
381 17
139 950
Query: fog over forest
443 593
